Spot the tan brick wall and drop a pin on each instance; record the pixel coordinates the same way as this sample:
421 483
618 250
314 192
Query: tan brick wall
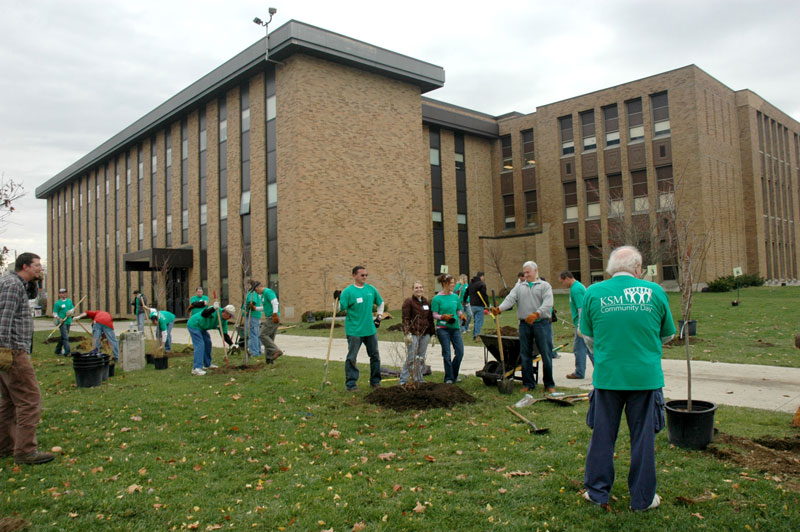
351 189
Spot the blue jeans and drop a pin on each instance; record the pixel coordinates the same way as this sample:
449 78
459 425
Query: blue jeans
447 335
581 352
540 332
99 330
201 341
63 341
477 318
468 314
140 322
644 411
350 367
168 343
415 358
253 342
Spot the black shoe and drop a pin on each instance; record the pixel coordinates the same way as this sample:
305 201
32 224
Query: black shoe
36 457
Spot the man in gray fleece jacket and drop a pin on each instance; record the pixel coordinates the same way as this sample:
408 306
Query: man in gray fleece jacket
534 300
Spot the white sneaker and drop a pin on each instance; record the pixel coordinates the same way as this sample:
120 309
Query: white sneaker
198 371
211 366
653 505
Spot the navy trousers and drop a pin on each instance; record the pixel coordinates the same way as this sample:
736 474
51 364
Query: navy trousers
644 412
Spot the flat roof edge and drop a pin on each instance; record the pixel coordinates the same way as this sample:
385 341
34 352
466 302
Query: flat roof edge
453 120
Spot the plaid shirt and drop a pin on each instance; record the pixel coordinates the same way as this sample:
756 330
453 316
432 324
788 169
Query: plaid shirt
16 321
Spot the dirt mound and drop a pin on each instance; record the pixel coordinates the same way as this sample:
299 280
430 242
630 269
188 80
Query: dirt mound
56 338
322 325
226 369
419 397
679 342
780 457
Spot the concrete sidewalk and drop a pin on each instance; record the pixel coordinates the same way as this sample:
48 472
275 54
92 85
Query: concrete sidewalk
767 387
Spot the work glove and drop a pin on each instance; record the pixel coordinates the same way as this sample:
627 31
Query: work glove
198 304
252 306
530 318
377 322
6 358
56 321
207 312
463 320
447 318
496 311
337 294
216 304
163 337
276 318
228 339
407 339
71 312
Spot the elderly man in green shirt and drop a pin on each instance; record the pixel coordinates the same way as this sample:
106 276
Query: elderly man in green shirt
625 321
163 320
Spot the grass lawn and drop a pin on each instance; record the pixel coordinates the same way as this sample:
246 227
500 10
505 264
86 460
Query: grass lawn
267 450
760 330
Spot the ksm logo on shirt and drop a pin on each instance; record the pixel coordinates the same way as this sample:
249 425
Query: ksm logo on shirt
635 298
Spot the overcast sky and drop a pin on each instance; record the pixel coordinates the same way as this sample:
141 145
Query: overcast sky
76 72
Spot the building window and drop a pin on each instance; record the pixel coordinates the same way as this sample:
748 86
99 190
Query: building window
666 187
587 131
509 221
567 141
635 121
531 199
611 124
616 207
461 203
437 202
570 201
592 190
528 157
639 183
660 104
507 159
574 262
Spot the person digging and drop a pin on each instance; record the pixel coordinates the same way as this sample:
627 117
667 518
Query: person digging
199 325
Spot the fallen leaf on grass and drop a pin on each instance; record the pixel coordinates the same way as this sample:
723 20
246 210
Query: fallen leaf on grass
136 418
73 515
133 488
193 526
430 458
281 400
396 488
143 471
698 515
197 467
386 456
358 526
517 474
334 433
124 429
419 508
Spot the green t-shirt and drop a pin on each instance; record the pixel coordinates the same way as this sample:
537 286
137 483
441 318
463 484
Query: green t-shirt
61 308
576 294
194 299
254 298
358 303
266 297
627 317
206 324
164 319
447 304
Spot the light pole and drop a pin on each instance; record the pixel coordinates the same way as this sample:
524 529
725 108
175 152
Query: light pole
260 22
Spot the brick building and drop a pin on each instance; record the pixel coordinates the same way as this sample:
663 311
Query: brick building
328 155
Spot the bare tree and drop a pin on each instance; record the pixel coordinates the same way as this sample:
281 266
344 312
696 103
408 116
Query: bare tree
10 192
402 274
495 254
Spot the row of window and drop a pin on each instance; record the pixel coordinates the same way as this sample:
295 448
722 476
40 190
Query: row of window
659 106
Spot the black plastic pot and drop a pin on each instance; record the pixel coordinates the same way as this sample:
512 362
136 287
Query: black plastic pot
149 359
161 362
690 429
105 371
691 327
111 368
88 370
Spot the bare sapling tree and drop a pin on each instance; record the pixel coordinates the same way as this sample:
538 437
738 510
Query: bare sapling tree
402 275
246 313
10 192
495 254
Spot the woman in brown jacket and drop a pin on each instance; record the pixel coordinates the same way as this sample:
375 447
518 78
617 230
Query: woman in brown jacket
417 329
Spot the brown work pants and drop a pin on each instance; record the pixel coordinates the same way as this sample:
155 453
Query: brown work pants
20 407
267 336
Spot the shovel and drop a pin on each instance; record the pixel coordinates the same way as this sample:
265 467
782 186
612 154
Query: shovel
533 428
505 386
330 341
568 400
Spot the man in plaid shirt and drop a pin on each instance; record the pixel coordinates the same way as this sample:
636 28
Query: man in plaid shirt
21 402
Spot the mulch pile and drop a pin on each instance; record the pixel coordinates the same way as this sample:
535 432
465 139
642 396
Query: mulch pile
322 325
419 397
777 456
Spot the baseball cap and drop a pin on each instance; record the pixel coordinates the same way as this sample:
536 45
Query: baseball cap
230 309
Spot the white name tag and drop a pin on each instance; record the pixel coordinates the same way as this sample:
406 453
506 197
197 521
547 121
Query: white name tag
424 307
360 300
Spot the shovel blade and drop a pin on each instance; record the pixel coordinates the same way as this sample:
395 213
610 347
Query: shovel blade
505 386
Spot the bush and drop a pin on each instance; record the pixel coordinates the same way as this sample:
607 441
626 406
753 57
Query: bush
729 282
320 315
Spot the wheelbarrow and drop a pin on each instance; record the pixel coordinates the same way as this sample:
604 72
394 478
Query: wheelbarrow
492 369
